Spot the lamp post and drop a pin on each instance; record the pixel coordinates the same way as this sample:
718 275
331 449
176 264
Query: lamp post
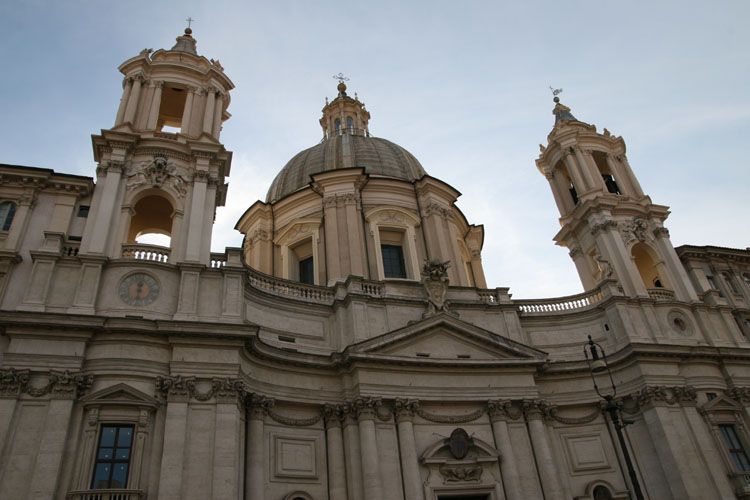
597 361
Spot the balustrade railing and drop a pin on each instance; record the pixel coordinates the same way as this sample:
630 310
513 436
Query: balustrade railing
218 260
741 482
660 294
560 304
141 251
70 249
109 494
291 289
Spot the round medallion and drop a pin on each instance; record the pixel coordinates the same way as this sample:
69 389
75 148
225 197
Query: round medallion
139 289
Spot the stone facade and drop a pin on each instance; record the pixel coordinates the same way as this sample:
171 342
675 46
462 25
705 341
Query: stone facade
199 375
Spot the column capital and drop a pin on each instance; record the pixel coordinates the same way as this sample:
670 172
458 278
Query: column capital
503 410
258 406
366 408
405 409
332 415
536 409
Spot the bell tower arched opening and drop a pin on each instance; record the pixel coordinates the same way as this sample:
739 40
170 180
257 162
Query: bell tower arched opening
648 266
608 175
171 108
151 221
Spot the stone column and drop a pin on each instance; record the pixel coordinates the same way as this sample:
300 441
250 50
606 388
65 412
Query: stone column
153 115
218 109
589 168
352 453
255 479
52 444
188 110
477 269
610 241
335 449
228 439
366 409
499 411
533 411
20 220
623 180
576 176
680 281
195 218
208 113
555 185
333 262
404 411
135 95
87 450
623 160
103 214
173 453
128 85
138 448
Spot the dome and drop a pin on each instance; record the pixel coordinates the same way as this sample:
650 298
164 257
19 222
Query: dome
377 156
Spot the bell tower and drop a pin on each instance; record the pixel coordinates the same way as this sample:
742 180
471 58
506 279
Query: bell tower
612 229
161 167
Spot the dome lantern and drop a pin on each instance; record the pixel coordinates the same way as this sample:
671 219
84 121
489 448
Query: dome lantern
344 115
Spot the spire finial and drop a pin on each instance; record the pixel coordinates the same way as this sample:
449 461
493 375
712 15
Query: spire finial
555 93
561 111
189 30
341 86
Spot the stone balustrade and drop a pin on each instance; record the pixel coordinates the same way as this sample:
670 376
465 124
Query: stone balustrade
70 249
141 251
109 494
218 260
290 289
567 304
660 294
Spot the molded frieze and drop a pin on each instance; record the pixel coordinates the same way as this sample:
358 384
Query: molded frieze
58 384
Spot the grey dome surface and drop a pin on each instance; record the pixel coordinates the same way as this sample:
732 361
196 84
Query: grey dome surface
377 156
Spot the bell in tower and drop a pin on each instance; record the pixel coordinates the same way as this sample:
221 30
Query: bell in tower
612 229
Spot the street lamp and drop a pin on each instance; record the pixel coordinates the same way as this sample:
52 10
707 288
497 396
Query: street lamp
597 361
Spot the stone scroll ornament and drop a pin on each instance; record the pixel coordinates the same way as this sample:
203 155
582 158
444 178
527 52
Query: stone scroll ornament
435 281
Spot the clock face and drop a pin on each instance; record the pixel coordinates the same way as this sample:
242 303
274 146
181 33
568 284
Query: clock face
139 289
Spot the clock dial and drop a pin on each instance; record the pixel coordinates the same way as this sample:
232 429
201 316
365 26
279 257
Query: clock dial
139 289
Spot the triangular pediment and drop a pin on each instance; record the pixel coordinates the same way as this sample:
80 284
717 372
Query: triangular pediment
722 403
444 337
122 394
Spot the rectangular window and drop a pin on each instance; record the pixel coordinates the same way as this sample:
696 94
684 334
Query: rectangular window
307 271
83 211
734 447
393 261
112 463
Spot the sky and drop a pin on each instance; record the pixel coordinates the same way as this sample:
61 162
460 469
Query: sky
463 85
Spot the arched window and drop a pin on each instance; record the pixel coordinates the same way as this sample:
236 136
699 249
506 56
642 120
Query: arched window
602 493
350 124
7 212
337 124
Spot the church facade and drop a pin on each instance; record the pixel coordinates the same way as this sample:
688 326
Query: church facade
351 349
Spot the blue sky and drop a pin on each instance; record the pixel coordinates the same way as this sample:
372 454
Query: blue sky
462 85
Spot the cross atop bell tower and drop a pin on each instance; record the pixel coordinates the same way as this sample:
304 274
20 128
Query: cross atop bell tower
612 229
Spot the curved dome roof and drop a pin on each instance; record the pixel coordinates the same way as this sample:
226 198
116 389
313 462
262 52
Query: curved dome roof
377 156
